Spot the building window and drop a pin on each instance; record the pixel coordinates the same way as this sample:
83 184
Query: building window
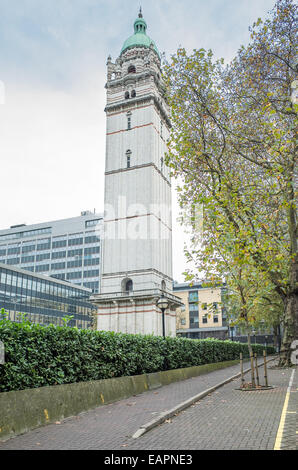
91 273
13 261
75 241
27 259
193 296
131 69
13 251
74 275
129 121
204 306
43 257
128 158
92 239
59 244
91 251
58 254
58 266
75 264
92 223
75 253
126 95
42 268
215 318
205 319
91 262
28 249
133 93
127 286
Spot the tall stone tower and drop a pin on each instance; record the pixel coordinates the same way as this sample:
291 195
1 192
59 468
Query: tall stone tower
137 246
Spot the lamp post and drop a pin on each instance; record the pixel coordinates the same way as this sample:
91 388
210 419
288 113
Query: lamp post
163 304
266 337
232 333
254 333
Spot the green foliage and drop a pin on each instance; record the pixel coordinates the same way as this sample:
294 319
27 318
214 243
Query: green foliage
37 356
233 146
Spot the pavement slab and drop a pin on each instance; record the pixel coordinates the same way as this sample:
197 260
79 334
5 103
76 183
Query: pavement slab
225 419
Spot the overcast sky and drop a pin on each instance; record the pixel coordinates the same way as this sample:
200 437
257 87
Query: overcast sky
52 75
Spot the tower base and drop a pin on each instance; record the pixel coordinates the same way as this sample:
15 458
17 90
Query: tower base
136 312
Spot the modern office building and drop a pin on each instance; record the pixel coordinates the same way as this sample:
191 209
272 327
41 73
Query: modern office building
137 246
67 249
43 299
203 314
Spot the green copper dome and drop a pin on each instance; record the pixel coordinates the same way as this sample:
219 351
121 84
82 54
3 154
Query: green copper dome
139 38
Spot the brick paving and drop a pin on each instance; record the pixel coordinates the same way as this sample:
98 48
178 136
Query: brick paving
290 435
230 419
226 419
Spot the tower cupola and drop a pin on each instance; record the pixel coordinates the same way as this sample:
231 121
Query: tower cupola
139 38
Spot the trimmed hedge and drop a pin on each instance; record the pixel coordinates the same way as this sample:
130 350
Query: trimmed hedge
37 356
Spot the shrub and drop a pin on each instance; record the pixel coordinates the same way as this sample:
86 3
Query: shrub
37 356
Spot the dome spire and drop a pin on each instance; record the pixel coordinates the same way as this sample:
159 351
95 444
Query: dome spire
139 38
140 25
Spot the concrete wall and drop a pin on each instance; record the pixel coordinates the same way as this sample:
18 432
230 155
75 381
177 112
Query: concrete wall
24 410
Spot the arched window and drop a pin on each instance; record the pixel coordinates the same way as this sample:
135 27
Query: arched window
163 285
131 69
127 286
126 95
133 93
128 158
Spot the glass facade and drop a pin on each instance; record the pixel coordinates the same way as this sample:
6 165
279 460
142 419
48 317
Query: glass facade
44 300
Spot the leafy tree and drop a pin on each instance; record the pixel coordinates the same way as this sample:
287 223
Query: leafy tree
234 144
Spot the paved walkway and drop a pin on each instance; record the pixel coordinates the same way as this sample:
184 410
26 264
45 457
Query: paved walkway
226 419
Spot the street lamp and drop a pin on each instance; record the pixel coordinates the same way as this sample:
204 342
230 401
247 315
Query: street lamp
163 304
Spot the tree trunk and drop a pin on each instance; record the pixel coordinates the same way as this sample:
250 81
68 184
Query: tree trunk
290 330
291 299
249 341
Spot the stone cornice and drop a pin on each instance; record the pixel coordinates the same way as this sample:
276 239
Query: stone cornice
138 167
128 104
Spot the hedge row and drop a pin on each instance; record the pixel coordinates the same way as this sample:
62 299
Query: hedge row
37 356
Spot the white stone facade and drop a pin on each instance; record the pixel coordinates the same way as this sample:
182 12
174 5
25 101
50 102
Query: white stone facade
137 245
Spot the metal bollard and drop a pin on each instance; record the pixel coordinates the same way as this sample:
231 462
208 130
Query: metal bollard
265 369
253 383
257 370
241 369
